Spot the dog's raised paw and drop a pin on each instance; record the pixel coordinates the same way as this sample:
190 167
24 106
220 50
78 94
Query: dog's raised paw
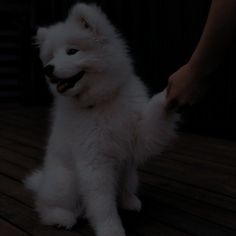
59 217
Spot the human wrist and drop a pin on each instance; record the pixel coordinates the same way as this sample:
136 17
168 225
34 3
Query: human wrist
198 68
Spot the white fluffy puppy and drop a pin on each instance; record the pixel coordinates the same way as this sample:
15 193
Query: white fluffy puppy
103 124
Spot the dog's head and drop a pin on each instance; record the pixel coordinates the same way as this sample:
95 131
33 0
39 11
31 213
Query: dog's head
83 55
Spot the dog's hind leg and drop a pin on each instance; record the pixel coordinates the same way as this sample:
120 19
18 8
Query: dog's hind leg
128 199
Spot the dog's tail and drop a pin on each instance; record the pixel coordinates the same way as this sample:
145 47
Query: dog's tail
156 128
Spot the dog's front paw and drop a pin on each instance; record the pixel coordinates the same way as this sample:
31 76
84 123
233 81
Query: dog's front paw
131 202
59 217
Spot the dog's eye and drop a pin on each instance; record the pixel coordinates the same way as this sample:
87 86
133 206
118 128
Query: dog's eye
71 51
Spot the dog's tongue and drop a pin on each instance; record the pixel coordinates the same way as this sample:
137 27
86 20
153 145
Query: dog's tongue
65 84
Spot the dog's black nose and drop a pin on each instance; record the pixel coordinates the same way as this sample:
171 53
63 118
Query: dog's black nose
48 70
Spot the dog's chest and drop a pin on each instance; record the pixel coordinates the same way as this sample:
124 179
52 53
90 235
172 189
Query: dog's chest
108 132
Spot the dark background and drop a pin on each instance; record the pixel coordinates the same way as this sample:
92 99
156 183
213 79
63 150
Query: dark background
162 35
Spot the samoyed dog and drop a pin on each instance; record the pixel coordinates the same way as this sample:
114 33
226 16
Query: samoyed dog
103 124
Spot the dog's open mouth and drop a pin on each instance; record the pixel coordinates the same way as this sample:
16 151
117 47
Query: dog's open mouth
65 84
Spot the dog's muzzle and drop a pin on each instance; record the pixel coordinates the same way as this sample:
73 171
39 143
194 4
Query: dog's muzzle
67 83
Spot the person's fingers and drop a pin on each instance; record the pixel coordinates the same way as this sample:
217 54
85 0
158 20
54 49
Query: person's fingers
172 104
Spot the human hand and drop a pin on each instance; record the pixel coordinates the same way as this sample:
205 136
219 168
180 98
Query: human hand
184 88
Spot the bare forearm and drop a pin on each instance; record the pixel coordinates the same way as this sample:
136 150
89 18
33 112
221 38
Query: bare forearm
216 37
187 84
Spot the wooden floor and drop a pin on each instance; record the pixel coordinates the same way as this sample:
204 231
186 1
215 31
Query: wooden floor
189 190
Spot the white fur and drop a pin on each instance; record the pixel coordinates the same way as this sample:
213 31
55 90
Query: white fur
101 130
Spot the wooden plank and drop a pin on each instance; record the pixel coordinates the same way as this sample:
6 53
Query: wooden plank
26 150
222 158
15 135
8 229
34 127
4 141
18 159
25 118
225 158
215 150
180 219
21 131
16 119
198 162
189 191
14 171
16 190
206 142
12 129
203 177
141 224
202 210
31 113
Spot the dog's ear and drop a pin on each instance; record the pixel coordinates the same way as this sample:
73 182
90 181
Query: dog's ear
85 24
40 35
87 16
